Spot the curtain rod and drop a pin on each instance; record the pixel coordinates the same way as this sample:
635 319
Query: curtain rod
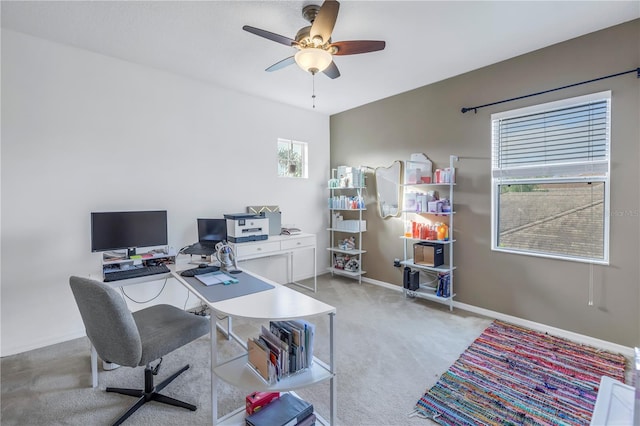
476 108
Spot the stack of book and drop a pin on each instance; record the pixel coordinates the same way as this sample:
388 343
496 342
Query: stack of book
284 411
284 348
444 285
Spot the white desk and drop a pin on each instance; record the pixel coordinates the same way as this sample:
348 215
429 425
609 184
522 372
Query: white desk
278 303
279 245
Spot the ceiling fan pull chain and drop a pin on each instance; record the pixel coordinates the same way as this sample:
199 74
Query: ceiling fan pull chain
313 94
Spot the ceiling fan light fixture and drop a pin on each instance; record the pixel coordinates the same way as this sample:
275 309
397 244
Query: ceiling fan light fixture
313 59
315 48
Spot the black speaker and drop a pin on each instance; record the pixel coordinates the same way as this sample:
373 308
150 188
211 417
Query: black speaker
406 273
414 281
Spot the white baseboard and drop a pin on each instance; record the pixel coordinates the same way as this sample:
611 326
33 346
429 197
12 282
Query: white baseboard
303 277
575 337
17 349
382 284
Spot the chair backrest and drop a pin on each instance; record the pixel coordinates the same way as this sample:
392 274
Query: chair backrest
109 323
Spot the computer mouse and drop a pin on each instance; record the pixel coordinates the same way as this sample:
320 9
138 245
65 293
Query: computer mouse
202 265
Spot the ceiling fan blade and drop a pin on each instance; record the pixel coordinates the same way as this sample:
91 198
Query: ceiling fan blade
357 46
332 70
283 63
325 20
271 36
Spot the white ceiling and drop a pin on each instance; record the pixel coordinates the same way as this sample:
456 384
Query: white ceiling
427 41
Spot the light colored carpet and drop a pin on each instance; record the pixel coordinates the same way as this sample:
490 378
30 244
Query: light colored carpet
389 350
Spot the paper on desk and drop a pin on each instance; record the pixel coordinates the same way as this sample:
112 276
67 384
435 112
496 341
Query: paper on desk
214 278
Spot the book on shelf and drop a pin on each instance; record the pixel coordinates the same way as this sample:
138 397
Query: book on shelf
307 334
260 359
257 400
279 352
310 420
287 410
282 349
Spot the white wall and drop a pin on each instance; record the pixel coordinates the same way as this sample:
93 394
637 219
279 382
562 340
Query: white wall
83 132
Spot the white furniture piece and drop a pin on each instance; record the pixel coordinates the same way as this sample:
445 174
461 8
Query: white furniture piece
427 289
614 404
119 261
279 245
346 205
619 404
278 303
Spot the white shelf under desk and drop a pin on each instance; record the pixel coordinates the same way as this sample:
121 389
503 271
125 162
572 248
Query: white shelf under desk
277 303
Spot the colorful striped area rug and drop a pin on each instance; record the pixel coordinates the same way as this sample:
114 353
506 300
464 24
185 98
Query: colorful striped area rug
515 376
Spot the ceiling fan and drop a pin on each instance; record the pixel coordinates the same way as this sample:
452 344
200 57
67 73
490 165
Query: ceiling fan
314 44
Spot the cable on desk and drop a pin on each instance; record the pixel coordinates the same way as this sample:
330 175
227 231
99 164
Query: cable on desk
184 308
146 301
201 310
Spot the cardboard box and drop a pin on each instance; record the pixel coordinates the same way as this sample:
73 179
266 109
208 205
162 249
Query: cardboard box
428 254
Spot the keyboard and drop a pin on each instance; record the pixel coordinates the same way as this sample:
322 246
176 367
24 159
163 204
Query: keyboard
199 271
135 273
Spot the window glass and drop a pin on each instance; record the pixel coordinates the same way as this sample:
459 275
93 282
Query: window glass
292 158
565 219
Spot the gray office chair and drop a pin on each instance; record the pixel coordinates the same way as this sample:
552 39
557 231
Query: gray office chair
135 339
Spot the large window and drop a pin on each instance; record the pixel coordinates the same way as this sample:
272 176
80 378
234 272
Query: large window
292 158
550 179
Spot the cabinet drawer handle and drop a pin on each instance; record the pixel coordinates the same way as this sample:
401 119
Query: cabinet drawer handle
259 248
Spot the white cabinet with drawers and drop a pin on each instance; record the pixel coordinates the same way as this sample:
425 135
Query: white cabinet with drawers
279 245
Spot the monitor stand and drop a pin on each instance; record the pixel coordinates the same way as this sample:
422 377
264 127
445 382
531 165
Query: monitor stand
198 259
131 252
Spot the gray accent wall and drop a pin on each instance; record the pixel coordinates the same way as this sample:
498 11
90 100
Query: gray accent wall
428 120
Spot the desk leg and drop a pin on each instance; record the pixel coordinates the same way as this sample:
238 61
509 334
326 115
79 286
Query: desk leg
290 268
94 367
214 379
315 271
334 389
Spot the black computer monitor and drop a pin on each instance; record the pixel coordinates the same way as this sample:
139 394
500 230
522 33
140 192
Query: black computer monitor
212 231
128 230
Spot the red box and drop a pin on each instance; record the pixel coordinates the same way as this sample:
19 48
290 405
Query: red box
257 400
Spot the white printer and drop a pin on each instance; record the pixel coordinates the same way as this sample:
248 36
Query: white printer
243 227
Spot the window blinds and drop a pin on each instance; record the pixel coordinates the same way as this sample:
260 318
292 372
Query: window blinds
553 142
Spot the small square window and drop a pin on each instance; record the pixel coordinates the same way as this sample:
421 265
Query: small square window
292 158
